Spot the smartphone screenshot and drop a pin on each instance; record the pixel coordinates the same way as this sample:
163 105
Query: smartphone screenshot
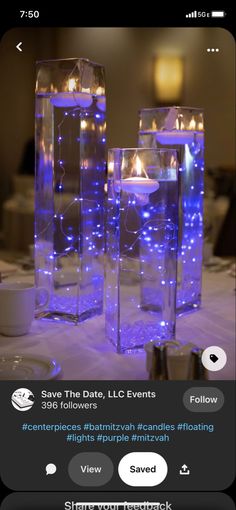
117 261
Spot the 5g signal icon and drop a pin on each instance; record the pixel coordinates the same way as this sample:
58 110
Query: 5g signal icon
191 15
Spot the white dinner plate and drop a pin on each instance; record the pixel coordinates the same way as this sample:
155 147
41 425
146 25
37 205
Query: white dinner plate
28 368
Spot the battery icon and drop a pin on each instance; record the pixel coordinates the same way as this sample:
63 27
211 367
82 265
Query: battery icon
217 14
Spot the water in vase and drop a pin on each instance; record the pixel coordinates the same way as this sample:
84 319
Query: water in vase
69 218
182 129
142 221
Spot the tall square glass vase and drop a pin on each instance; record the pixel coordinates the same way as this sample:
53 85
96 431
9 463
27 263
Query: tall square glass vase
183 129
142 223
70 174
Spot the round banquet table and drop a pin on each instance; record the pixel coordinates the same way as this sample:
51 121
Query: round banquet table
85 354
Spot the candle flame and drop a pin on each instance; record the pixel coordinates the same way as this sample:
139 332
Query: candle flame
110 167
192 124
138 166
179 124
83 124
71 84
154 125
138 169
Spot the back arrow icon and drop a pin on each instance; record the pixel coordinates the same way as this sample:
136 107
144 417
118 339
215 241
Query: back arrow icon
18 46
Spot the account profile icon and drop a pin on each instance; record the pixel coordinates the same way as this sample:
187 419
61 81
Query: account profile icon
22 399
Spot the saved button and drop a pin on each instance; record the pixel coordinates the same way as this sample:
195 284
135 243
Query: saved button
142 469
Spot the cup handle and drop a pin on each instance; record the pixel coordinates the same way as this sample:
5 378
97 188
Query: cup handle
39 301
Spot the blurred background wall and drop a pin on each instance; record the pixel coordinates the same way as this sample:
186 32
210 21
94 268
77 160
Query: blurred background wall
127 54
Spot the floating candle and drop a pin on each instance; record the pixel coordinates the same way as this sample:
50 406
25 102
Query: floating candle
67 99
178 137
139 182
139 185
101 103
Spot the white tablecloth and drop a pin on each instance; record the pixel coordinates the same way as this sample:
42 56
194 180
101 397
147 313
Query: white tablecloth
85 354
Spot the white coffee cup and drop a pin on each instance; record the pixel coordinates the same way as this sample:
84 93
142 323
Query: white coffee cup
18 302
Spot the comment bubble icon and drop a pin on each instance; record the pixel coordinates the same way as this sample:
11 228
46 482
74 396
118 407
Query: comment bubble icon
51 469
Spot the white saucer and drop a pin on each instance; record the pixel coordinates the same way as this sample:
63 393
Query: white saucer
28 368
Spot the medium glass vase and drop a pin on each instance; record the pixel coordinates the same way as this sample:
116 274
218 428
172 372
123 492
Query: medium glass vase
142 223
70 173
183 129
